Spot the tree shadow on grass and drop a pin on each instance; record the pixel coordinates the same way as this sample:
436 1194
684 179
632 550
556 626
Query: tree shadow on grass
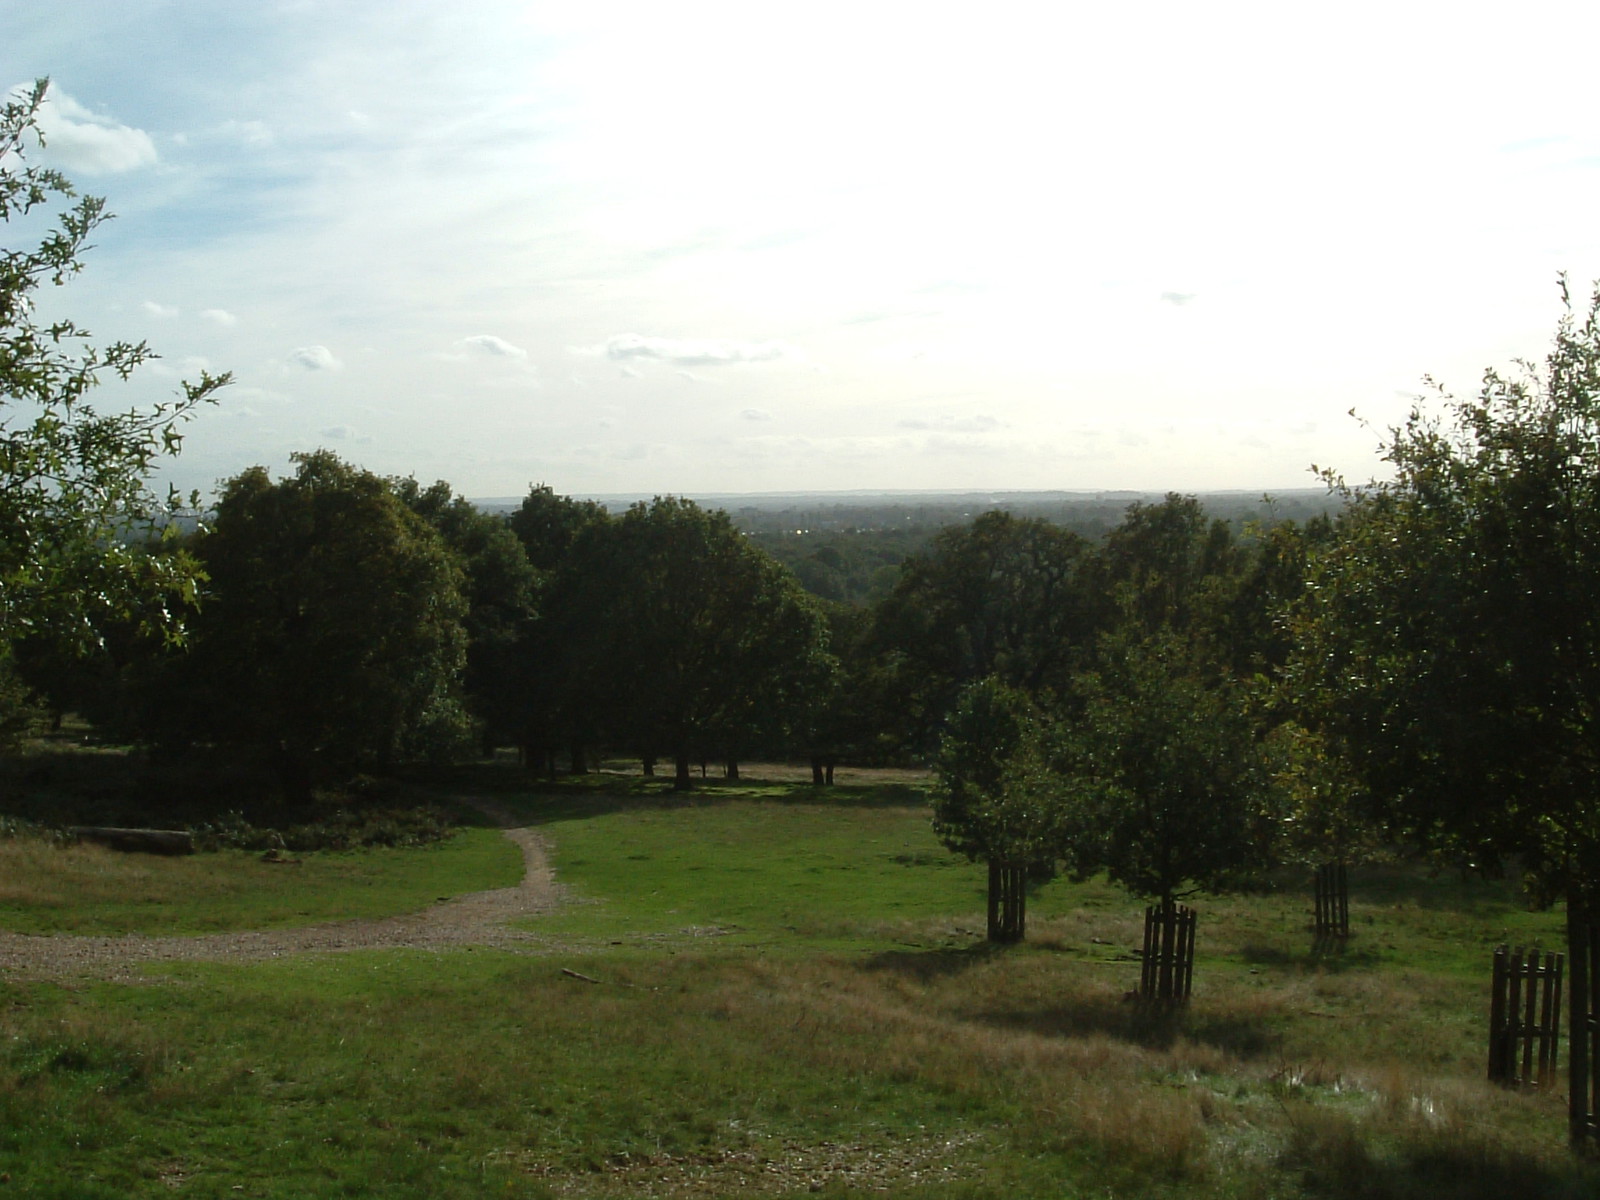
930 966
1419 885
1330 955
1334 1161
1151 1025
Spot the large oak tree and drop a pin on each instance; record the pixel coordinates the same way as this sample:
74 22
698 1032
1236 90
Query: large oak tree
697 643
1450 642
331 636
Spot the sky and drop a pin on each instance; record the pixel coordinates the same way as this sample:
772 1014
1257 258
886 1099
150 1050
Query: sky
760 247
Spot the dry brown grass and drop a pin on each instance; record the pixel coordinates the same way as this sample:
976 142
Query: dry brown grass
38 873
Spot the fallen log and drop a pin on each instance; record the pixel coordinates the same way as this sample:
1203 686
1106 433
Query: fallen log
138 841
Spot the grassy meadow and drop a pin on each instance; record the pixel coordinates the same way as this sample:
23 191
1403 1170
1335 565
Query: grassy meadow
87 889
759 990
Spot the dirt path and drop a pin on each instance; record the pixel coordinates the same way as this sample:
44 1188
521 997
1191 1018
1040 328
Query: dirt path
477 919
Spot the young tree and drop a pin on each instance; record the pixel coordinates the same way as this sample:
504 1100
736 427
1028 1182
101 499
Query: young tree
74 480
994 799
1164 783
1449 645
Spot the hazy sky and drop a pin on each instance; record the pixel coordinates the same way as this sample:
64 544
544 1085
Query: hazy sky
767 246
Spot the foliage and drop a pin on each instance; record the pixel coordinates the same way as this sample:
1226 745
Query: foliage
1167 566
991 799
18 711
547 524
1326 817
699 643
1164 784
501 591
357 828
1002 596
74 488
1449 646
555 694
331 638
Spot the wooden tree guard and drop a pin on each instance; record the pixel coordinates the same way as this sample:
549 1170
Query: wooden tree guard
1332 901
1168 970
1008 901
1524 1017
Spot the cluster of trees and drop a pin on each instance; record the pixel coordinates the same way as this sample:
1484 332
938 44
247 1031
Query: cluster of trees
1100 706
349 622
1423 668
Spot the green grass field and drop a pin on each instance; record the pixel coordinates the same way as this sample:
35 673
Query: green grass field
775 992
87 889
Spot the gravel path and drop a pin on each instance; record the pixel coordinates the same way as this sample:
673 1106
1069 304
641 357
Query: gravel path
478 919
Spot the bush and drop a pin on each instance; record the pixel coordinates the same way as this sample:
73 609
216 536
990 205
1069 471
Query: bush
342 829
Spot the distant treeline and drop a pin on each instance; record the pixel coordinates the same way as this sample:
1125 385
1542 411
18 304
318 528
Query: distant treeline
850 550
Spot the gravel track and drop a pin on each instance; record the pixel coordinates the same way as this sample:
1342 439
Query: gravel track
477 919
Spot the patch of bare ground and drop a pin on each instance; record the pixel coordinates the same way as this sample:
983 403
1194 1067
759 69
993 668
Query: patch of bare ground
476 919
779 1170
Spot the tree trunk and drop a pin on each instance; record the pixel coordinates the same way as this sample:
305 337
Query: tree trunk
682 781
1578 1008
580 760
650 765
732 771
828 766
816 771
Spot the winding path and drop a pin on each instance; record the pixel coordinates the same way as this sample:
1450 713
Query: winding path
476 919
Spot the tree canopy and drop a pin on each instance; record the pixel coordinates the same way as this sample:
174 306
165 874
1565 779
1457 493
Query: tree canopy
331 637
74 480
1449 645
1002 596
1162 780
701 643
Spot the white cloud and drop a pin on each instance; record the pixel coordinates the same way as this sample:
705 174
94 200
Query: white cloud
315 358
219 316
346 433
80 140
494 345
756 414
188 367
254 134
697 352
979 423
1179 299
152 309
